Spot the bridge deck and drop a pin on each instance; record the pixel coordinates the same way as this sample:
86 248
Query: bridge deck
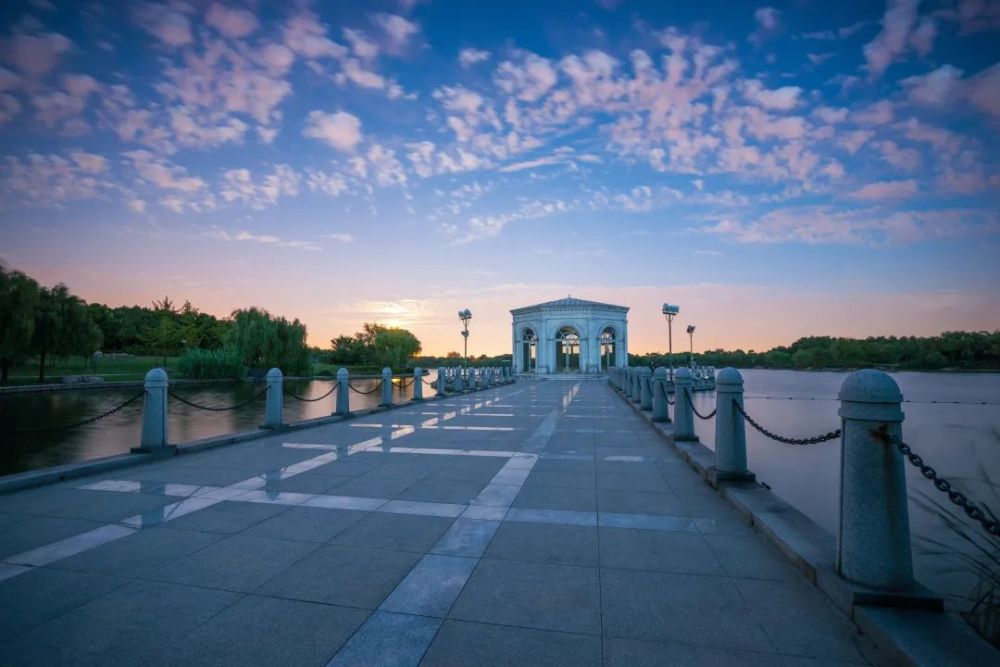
541 523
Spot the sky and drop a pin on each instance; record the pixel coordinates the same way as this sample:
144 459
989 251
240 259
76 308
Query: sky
776 170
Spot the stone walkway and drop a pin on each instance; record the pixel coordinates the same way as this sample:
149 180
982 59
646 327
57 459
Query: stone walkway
542 523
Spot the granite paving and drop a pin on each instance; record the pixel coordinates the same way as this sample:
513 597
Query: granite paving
540 523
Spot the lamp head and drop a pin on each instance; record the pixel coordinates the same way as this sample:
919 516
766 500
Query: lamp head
690 328
669 309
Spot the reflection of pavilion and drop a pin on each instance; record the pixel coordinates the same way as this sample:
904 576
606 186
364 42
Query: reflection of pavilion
569 336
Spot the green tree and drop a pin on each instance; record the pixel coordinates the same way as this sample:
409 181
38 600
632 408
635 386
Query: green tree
263 341
18 296
393 347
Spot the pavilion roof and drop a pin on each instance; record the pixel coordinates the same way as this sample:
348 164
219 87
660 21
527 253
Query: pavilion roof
568 302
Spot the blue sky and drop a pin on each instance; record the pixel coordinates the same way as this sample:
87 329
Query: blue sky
778 170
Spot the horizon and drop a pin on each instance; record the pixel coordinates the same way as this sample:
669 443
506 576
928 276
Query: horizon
777 170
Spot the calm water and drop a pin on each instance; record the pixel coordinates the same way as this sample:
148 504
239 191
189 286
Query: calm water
119 432
962 442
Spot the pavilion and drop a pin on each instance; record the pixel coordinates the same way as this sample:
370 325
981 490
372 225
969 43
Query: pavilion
569 336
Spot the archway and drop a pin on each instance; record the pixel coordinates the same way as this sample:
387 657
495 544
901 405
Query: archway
608 348
567 349
529 350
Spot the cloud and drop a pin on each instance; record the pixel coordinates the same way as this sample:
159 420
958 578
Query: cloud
48 181
887 190
233 23
340 237
935 88
339 130
306 36
171 27
398 29
768 20
984 90
469 57
34 55
244 236
892 42
238 186
780 99
527 78
163 174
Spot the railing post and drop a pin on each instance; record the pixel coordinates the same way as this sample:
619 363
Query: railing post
645 389
730 429
273 406
874 544
683 413
457 384
440 382
418 384
636 393
660 412
153 439
386 387
480 378
343 393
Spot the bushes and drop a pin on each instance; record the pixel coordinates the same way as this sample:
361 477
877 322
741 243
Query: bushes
198 364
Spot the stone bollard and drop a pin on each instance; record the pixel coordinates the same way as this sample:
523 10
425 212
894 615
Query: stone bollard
457 384
153 439
645 389
480 378
874 545
386 387
730 429
636 393
418 384
683 413
660 412
441 391
274 403
343 393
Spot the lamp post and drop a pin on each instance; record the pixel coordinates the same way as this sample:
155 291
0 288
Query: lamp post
670 312
465 316
691 353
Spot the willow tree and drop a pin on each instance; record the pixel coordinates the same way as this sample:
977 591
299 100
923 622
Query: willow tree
264 341
394 347
18 298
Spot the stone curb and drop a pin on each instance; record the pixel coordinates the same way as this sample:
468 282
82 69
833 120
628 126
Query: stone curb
55 474
906 629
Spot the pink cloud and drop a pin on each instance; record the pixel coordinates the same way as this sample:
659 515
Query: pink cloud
339 130
887 190
234 23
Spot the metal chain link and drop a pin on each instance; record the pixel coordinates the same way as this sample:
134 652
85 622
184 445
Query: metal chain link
428 383
365 393
973 511
215 408
311 400
695 410
832 435
404 384
669 402
64 427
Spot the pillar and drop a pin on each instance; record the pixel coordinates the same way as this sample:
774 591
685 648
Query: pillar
343 393
153 439
660 407
683 413
441 391
874 544
418 384
645 389
457 383
274 402
730 428
386 387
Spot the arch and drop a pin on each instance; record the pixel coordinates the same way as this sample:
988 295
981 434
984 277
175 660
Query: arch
567 348
607 342
529 348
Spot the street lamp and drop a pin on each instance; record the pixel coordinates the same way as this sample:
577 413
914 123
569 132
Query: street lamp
691 354
670 312
465 316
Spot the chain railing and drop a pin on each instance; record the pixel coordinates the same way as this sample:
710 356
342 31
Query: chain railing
669 402
218 408
972 510
826 437
310 400
66 427
695 410
378 385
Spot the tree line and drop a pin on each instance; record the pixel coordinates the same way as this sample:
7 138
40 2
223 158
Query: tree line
963 350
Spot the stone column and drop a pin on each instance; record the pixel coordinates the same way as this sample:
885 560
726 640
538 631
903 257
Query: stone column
441 391
274 404
660 411
457 382
418 384
645 389
386 387
343 393
636 396
730 429
683 414
874 544
153 439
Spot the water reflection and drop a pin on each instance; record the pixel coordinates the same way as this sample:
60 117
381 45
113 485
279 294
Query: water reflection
119 432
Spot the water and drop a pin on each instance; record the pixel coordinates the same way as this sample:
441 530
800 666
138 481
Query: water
119 432
962 442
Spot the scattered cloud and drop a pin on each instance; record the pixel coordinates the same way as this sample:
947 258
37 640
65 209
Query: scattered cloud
339 130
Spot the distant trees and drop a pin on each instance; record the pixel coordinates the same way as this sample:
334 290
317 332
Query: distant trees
18 298
375 345
972 350
264 341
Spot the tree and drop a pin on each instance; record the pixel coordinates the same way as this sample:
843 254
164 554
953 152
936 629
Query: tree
263 341
393 347
18 296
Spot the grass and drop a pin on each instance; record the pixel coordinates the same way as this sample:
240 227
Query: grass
112 369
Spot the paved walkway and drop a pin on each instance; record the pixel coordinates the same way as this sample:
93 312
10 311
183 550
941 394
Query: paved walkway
536 524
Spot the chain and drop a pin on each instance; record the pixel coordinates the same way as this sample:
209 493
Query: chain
311 400
695 410
215 408
832 435
428 383
85 422
669 402
973 511
377 386
403 384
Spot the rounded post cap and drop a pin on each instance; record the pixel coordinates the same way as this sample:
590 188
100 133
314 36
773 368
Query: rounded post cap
870 386
417 370
660 373
342 374
156 376
645 370
386 371
274 374
729 376
682 373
